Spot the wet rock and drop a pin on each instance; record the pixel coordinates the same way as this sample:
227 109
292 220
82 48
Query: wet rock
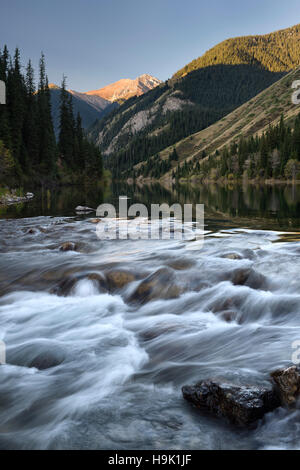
40 354
181 264
228 316
84 209
287 383
45 361
31 231
68 246
160 285
151 333
100 280
249 277
29 195
232 256
119 279
239 405
66 286
95 221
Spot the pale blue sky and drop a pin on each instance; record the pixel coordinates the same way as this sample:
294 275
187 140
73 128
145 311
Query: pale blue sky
96 42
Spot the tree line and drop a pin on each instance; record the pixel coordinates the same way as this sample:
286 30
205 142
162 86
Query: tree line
28 148
273 155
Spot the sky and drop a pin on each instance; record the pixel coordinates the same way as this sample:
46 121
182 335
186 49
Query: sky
97 42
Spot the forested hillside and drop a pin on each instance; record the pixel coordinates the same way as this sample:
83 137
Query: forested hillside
276 52
196 97
257 140
28 149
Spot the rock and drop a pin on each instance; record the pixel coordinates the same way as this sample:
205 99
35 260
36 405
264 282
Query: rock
119 279
239 405
31 231
287 383
160 285
232 256
99 279
240 277
46 361
65 287
29 195
249 277
228 316
84 209
95 221
41 354
68 246
181 264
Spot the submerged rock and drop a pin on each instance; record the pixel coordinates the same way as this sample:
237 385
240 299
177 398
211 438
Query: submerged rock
249 277
46 361
95 221
160 285
232 256
119 279
287 382
67 285
68 246
240 405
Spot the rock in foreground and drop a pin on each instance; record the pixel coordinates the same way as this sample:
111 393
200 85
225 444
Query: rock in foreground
68 246
240 405
287 382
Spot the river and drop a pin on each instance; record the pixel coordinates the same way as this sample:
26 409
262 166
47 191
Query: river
88 368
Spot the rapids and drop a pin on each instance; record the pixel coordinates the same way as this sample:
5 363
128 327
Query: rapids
88 368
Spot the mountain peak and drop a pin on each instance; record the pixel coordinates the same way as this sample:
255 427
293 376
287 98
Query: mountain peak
52 86
126 88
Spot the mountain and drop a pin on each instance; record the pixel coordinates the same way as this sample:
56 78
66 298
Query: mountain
193 100
91 108
277 52
126 88
94 105
201 153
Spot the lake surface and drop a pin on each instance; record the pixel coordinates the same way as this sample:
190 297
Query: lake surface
95 365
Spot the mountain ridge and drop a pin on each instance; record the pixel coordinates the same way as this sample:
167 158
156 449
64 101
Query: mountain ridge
184 105
252 49
126 88
92 106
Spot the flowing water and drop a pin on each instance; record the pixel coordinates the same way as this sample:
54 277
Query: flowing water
88 368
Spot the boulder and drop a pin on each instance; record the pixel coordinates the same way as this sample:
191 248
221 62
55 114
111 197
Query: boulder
118 279
249 277
66 286
241 405
232 256
95 221
228 316
46 361
68 246
287 383
159 285
84 209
